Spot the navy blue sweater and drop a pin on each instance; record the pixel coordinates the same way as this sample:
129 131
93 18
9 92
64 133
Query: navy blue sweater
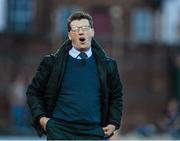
79 97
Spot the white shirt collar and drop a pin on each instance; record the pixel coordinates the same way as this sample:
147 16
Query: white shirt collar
74 53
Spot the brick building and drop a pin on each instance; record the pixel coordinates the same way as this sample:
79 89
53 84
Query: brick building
34 28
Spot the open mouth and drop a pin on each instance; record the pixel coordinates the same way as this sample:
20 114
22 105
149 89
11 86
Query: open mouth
82 39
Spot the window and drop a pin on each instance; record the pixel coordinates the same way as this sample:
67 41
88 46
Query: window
102 21
142 25
171 22
20 15
2 15
61 19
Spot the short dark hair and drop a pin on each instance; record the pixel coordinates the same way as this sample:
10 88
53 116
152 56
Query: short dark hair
78 15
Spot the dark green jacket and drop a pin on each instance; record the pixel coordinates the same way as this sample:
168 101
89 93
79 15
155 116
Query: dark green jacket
45 86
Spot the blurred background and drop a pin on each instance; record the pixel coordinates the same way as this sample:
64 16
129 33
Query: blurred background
142 35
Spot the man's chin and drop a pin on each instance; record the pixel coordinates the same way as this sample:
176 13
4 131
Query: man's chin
83 48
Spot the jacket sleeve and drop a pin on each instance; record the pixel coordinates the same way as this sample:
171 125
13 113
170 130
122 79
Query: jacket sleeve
115 90
35 92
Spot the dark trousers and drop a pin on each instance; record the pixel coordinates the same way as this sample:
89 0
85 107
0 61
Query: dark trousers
57 131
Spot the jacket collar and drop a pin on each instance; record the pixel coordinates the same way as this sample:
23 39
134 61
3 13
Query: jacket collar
96 49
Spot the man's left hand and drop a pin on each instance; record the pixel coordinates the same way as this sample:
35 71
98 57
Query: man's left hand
108 130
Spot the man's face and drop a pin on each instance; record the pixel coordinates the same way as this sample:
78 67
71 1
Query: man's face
81 34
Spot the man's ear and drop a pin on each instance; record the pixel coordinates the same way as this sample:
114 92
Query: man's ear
92 32
69 35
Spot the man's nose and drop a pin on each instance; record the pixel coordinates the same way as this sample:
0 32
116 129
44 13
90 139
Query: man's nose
80 31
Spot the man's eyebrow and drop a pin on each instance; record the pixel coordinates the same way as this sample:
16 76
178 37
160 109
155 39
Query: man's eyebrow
80 26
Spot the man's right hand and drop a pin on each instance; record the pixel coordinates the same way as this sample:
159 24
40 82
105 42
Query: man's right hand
43 121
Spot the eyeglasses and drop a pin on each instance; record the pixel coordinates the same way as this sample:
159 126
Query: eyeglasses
83 28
